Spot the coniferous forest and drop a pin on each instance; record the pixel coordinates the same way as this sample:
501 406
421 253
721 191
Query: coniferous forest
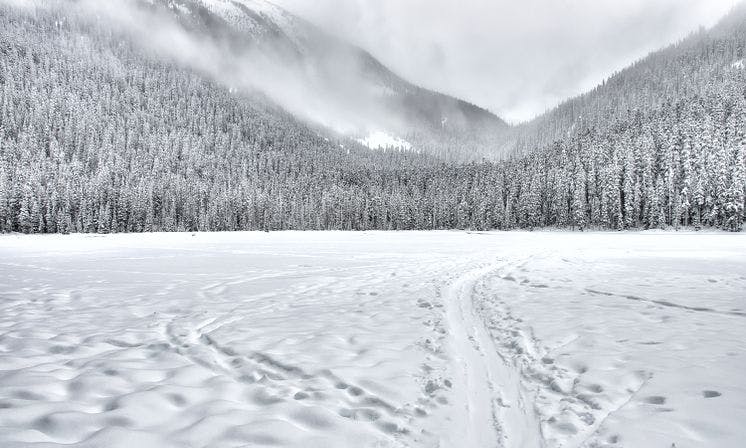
99 135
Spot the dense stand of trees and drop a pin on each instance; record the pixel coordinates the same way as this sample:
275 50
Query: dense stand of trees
98 135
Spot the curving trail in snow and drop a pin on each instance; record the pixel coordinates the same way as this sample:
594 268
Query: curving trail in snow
497 409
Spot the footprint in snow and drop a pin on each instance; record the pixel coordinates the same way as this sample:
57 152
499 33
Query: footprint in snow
655 399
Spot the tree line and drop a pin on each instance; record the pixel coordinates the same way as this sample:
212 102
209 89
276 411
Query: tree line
98 135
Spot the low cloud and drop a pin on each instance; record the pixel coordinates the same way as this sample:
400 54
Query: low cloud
517 58
332 94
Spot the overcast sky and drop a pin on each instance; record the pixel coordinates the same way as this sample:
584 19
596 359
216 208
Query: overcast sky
518 57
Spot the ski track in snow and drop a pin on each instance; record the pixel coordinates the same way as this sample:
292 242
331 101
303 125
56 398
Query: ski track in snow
496 408
440 339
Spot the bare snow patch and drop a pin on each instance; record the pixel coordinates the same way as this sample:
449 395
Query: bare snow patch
382 140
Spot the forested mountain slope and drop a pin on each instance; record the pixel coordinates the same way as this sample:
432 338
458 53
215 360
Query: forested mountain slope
691 68
664 136
257 45
99 134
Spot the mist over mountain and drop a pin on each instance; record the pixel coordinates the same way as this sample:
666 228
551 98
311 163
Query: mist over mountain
254 45
516 58
136 115
698 66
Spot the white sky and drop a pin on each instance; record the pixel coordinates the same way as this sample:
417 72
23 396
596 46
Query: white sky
516 58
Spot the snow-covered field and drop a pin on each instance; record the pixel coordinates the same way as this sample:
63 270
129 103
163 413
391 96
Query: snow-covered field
440 339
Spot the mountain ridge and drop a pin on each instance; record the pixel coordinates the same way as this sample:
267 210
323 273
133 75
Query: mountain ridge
581 111
350 75
100 133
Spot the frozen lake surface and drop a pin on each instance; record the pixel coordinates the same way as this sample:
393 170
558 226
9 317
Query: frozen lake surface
439 339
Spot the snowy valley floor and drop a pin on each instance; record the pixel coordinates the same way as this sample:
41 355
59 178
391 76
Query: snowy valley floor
441 339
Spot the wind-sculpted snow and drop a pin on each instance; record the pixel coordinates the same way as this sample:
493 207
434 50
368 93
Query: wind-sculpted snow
442 339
